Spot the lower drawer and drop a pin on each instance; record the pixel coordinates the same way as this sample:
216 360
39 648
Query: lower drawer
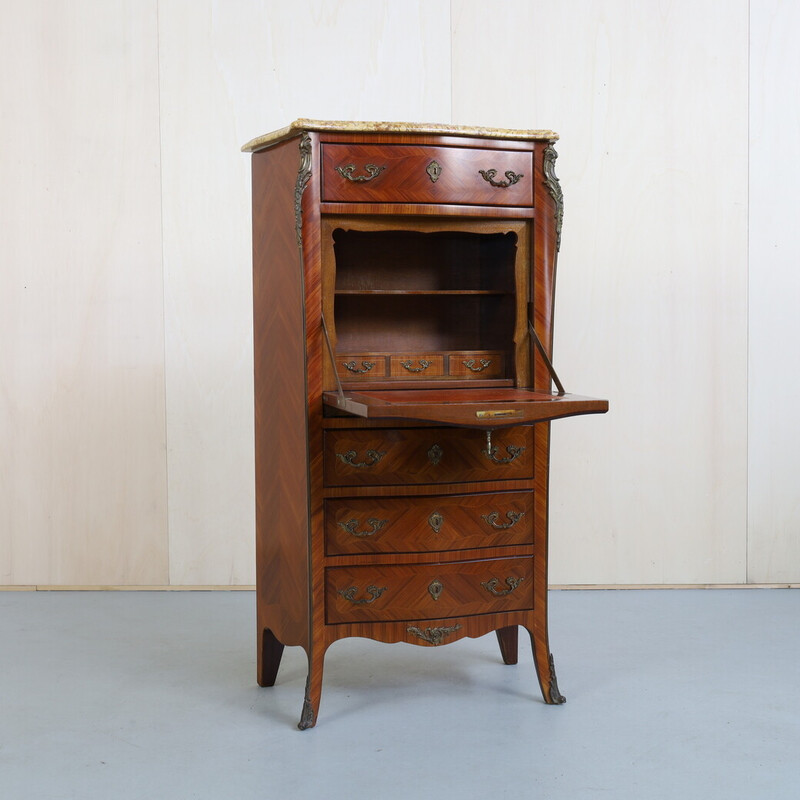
428 524
379 593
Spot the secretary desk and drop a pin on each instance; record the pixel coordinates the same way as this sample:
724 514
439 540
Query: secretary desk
403 279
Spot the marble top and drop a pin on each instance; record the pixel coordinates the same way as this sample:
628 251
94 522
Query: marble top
438 129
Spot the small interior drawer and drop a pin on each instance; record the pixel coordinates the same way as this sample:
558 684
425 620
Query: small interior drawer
417 366
364 366
480 365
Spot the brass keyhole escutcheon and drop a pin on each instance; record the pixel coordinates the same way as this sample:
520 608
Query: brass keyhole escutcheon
435 589
435 455
436 520
434 170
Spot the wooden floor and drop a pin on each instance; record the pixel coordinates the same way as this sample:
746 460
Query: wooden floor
671 694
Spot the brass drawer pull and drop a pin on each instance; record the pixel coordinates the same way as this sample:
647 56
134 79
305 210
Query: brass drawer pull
433 635
351 525
423 365
491 586
372 172
470 364
436 520
351 366
374 593
488 175
491 451
491 519
349 456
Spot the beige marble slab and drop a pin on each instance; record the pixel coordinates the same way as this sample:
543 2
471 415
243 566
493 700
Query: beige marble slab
438 129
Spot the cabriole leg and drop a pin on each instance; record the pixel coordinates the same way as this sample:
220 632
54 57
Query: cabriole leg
546 671
308 716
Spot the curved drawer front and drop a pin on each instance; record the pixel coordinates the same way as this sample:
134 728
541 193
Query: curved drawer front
404 456
429 591
428 524
367 173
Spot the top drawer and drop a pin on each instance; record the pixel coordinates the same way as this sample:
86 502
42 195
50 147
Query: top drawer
380 173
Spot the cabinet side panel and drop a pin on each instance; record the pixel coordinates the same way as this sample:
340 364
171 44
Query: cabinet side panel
281 442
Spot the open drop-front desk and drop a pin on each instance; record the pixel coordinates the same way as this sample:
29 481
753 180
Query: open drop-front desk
403 280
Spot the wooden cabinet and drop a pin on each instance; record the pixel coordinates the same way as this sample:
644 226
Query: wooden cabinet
403 281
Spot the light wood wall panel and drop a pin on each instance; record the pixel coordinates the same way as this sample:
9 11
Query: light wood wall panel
774 454
651 311
82 423
231 71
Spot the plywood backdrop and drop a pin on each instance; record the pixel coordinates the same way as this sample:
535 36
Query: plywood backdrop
125 297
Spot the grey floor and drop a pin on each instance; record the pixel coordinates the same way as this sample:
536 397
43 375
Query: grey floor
671 694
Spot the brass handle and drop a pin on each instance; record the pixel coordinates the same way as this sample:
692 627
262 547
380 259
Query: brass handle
374 593
491 519
351 366
491 452
349 456
436 589
491 586
488 175
433 635
351 525
423 365
436 520
470 364
372 172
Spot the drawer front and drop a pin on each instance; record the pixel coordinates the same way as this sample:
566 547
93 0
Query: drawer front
416 366
428 591
366 173
405 456
368 367
428 524
480 365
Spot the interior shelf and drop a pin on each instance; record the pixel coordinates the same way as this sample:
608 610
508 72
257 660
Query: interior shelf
400 292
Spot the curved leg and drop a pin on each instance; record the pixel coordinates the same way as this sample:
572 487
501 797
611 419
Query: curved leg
507 638
545 669
308 716
270 651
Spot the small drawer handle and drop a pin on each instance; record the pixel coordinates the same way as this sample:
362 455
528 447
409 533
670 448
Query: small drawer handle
491 586
491 519
470 364
372 172
423 365
489 174
349 458
351 366
374 593
491 451
351 525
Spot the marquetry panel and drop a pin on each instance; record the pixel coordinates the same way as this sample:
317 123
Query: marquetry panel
420 524
419 174
426 455
428 591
